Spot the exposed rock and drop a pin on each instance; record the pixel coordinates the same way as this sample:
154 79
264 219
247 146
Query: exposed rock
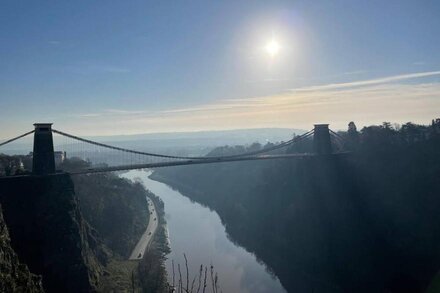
14 276
49 234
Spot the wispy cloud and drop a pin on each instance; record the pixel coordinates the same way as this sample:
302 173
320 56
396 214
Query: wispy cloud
397 98
387 79
54 42
87 115
271 80
126 112
92 69
356 72
112 113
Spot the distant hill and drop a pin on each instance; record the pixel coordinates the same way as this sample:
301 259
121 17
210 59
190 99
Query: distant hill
235 136
199 141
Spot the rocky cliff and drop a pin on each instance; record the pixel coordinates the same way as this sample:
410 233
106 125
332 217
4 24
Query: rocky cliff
14 276
49 234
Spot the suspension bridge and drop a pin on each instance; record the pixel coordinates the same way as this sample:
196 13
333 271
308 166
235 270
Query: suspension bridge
102 157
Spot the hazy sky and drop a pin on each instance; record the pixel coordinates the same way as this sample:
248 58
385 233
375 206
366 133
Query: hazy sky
115 67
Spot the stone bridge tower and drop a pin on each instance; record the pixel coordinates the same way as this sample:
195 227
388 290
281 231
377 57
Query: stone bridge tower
321 140
43 156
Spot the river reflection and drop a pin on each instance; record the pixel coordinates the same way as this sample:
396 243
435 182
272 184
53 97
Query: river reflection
198 232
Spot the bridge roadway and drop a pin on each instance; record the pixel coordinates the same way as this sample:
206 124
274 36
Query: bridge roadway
183 163
201 161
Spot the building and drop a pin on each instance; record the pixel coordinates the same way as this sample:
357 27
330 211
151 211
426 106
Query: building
59 157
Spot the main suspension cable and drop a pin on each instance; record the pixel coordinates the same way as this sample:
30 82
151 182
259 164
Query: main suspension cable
18 137
264 150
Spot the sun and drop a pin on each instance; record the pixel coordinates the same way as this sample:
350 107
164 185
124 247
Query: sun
272 48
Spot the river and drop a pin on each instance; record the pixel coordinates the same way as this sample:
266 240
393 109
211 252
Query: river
198 232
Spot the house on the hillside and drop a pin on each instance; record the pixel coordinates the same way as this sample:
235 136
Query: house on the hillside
59 157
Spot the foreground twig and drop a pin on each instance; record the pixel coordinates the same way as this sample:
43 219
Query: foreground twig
187 276
180 278
204 282
172 262
182 288
212 278
200 278
192 284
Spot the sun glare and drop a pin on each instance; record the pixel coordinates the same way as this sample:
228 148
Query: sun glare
272 48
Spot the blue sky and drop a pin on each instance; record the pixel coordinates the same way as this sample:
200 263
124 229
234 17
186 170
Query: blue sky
115 67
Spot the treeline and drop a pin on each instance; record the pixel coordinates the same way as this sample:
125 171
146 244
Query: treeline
15 165
151 272
115 207
116 213
366 222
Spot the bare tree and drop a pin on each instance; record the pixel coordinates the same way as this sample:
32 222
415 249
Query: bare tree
180 278
172 262
192 284
212 278
204 282
181 288
187 276
200 278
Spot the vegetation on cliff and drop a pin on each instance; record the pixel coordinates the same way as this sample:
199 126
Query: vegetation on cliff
363 223
117 209
82 229
151 273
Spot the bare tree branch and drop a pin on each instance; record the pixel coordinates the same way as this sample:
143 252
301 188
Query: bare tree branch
180 278
181 288
192 284
212 278
204 282
187 276
172 262
200 278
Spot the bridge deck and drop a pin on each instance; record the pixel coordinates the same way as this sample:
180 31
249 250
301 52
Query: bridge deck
198 162
130 155
186 163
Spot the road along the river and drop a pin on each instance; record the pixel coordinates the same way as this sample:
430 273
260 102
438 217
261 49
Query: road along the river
142 245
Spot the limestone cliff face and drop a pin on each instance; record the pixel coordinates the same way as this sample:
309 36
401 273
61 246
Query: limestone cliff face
49 234
14 276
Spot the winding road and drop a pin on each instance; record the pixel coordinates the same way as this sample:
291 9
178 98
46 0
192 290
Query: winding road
142 245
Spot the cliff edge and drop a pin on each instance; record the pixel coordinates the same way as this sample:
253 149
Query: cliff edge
49 234
14 276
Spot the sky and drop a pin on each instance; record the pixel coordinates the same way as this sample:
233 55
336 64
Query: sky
126 67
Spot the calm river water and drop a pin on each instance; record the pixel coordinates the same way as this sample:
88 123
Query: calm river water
198 232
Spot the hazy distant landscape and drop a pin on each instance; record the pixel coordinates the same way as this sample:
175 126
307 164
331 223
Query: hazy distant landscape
177 142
